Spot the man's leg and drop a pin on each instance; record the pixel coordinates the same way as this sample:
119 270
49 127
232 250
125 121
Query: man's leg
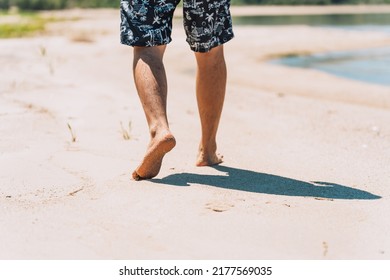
210 93
151 83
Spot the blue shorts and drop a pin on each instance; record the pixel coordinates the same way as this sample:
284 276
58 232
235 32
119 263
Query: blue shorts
207 23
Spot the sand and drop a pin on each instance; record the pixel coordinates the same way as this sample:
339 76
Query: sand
307 154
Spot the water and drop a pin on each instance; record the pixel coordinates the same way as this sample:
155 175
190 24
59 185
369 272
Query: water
370 65
316 20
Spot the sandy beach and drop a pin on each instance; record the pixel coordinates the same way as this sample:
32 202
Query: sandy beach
306 154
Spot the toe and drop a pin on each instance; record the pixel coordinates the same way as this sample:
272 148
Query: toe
136 176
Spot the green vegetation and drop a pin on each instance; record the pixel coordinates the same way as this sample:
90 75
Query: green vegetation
20 30
23 24
56 4
60 4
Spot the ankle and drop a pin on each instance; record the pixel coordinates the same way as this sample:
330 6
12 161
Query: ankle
208 148
158 130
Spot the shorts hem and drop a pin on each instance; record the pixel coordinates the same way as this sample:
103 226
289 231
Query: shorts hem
200 47
143 44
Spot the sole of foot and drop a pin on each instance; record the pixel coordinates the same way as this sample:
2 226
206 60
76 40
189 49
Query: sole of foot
151 163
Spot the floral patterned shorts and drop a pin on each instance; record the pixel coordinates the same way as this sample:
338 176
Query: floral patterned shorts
207 23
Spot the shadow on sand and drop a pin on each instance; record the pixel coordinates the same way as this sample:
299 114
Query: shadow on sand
250 181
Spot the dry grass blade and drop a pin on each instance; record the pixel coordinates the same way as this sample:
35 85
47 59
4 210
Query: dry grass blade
125 133
42 50
72 133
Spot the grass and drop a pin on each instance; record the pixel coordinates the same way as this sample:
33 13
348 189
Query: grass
8 30
126 134
72 134
23 24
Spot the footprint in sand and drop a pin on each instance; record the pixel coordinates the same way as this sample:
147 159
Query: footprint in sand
325 248
219 206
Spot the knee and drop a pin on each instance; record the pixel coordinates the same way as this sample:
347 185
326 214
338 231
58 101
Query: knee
149 54
215 57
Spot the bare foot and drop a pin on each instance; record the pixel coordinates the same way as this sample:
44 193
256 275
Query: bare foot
208 159
151 164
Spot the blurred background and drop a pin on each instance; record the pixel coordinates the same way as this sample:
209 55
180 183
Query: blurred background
61 4
21 18
56 4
